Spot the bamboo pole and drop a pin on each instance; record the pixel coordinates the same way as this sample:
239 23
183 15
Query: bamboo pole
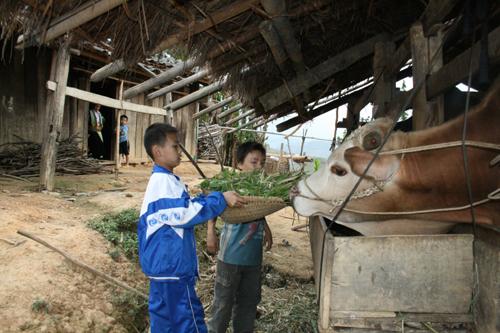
195 96
171 73
197 167
241 116
78 263
50 145
177 85
214 107
229 111
117 133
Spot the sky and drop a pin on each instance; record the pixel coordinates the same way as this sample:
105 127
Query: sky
320 127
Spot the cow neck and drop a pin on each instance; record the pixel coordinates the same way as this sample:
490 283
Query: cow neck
378 186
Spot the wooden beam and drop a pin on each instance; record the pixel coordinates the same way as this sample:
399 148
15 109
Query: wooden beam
75 18
456 70
319 73
434 13
194 28
168 75
50 144
241 116
319 111
214 107
107 101
195 96
229 111
179 84
300 10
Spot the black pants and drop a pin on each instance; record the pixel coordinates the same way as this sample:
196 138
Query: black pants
96 146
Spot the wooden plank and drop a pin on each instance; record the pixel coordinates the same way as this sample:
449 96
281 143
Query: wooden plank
81 15
422 274
325 299
487 306
317 74
49 145
107 101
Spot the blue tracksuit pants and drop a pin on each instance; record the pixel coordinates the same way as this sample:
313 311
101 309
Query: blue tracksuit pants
174 307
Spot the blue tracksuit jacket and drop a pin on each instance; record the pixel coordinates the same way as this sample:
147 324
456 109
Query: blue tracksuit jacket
167 247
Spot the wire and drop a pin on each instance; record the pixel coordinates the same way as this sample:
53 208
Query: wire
414 91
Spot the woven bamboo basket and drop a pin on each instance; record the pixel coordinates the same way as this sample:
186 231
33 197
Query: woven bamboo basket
256 208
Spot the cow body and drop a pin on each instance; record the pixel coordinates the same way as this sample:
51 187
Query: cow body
409 182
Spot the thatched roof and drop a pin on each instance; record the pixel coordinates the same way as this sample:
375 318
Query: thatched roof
225 35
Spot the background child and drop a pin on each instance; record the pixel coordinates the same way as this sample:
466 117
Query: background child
167 246
237 281
124 144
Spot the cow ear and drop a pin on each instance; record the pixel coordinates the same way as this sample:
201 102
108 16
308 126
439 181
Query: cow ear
382 169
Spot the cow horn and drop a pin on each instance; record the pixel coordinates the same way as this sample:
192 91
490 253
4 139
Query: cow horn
372 140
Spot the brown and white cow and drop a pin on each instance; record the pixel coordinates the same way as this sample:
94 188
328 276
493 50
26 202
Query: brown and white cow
409 182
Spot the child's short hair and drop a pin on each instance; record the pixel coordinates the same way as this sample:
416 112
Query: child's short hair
245 148
123 116
156 134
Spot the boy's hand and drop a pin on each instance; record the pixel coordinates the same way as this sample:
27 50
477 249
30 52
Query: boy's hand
233 199
268 237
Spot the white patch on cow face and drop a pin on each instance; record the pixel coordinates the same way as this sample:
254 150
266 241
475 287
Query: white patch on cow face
335 179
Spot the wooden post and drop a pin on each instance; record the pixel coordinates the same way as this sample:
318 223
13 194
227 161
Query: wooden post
49 146
420 61
423 113
117 132
384 86
436 104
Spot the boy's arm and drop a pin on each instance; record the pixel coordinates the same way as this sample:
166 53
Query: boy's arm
212 240
268 237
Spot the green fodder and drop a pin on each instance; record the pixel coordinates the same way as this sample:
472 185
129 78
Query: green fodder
120 229
255 183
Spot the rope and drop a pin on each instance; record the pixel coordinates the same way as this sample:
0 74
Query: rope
475 144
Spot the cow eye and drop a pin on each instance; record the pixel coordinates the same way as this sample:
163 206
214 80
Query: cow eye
338 170
372 140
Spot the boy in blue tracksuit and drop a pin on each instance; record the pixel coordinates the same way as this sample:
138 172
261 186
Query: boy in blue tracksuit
167 246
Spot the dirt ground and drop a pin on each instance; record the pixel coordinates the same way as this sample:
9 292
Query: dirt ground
43 292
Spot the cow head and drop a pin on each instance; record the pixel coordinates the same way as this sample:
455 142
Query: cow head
335 179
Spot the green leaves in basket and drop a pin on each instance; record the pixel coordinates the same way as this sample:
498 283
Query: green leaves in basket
255 183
